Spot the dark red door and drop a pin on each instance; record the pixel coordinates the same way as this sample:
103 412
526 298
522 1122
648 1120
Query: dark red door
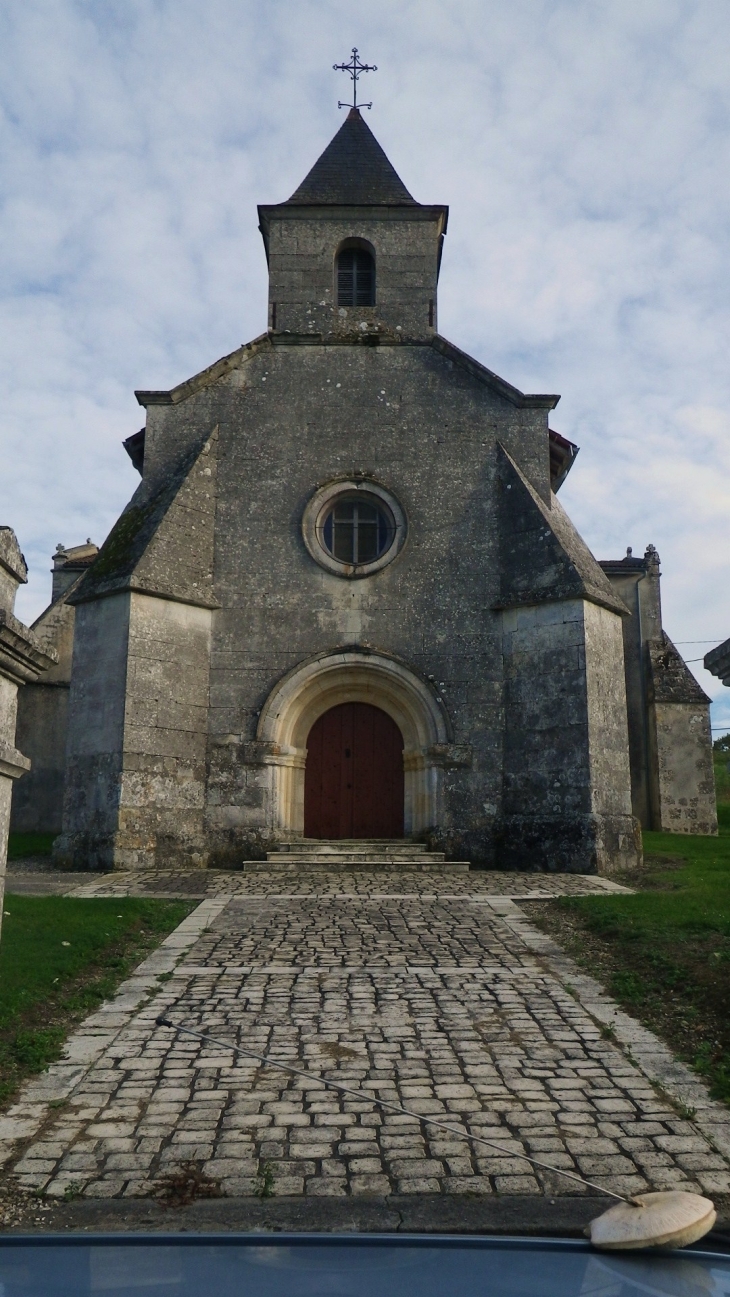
353 785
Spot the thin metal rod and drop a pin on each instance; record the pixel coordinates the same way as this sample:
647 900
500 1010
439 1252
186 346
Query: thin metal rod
385 1103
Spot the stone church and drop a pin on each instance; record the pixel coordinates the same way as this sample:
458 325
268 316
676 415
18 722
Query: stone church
345 601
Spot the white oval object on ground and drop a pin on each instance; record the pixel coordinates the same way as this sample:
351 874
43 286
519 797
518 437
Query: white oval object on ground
668 1219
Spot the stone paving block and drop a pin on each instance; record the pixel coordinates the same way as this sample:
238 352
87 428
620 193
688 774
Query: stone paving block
288 1185
579 1144
701 1162
419 1167
320 1188
468 1184
714 1182
370 1185
365 1165
310 1150
35 1166
521 1184
106 1188
228 1167
681 1143
333 1167
238 1186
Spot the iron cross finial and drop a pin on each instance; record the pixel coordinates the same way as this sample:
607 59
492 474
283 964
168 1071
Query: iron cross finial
354 67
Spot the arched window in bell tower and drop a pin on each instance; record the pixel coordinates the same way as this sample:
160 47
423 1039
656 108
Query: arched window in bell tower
355 269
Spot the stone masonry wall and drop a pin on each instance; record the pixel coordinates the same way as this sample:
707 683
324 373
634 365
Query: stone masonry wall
95 733
8 702
22 659
291 419
42 728
137 739
41 734
618 836
162 797
547 795
302 255
563 739
686 779
634 588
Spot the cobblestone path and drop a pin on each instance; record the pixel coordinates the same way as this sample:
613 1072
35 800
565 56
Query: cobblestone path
35 877
430 995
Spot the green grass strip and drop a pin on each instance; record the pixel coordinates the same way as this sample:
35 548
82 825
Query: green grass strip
21 845
669 945
60 957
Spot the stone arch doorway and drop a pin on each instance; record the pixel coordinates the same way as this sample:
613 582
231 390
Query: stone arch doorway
353 781
350 676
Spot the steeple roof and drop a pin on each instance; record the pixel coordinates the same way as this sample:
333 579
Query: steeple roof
352 171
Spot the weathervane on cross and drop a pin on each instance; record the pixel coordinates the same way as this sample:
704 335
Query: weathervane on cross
354 67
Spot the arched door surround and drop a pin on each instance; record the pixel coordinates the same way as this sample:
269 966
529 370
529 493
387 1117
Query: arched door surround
323 682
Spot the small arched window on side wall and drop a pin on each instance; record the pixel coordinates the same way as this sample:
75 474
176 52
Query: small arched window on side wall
355 274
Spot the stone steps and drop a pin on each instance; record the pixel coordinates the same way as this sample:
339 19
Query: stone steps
333 865
354 853
364 846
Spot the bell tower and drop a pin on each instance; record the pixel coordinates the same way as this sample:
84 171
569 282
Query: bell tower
351 254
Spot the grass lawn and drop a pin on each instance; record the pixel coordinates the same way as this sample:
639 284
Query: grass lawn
664 953
722 776
60 956
21 845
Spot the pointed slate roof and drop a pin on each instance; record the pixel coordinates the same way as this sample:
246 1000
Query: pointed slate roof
353 171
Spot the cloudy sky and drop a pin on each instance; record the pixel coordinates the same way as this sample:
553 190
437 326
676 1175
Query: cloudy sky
583 147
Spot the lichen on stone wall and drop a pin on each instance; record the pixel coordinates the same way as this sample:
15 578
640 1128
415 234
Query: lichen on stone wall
117 552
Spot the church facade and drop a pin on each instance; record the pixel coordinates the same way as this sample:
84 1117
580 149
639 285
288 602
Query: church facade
345 601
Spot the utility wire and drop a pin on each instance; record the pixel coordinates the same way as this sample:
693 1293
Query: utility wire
162 1021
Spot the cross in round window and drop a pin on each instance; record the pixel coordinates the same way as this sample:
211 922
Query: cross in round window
357 531
353 528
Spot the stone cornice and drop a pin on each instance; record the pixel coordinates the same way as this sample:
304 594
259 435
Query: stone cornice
22 656
523 400
373 337
204 379
12 762
718 662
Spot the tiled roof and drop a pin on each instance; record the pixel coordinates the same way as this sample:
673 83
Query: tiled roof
353 170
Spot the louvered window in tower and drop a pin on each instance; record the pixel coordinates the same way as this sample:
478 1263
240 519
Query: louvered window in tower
355 278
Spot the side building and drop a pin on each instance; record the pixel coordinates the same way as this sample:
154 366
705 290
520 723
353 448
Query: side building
22 659
43 704
670 739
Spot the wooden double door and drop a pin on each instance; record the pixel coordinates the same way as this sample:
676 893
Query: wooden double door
353 783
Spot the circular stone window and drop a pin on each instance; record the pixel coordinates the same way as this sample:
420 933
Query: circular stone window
353 528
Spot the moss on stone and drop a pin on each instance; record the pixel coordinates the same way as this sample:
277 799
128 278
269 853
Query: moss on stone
117 552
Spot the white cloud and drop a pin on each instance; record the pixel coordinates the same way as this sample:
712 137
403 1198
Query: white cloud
583 149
